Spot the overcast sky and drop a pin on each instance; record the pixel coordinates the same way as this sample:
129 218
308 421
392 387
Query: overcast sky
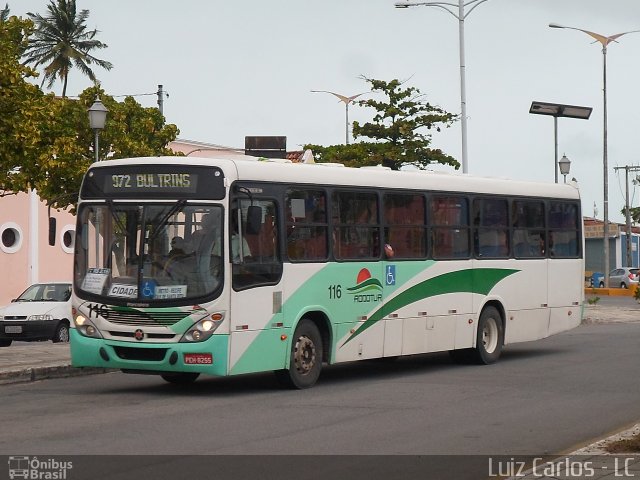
246 68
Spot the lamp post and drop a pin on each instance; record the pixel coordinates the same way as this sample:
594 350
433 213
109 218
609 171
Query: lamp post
347 101
559 110
604 41
460 16
565 167
97 119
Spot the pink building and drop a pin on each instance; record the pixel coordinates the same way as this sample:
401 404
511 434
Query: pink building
25 254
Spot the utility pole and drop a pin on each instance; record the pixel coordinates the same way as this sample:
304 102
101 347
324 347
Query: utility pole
627 169
161 94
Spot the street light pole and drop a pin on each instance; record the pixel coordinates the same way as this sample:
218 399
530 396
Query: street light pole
97 119
460 16
627 210
346 101
604 41
559 110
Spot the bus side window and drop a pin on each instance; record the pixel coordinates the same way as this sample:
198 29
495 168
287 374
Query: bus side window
306 219
529 240
356 232
449 226
404 219
491 221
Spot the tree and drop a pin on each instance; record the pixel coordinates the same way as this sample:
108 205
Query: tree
22 105
634 213
62 41
67 141
400 131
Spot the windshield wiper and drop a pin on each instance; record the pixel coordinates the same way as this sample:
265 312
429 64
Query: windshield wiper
115 217
177 206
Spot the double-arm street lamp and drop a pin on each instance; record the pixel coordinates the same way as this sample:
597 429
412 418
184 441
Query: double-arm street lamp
346 100
461 15
97 119
604 41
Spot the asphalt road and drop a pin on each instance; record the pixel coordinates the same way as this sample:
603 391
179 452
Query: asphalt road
542 397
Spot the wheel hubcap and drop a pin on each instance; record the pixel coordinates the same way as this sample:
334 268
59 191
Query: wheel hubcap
304 355
490 335
63 335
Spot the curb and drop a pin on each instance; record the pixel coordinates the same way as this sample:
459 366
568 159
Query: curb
33 374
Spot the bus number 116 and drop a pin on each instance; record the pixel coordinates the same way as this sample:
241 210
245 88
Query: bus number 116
335 291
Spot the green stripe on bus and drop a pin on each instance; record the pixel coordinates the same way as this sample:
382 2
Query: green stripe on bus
473 280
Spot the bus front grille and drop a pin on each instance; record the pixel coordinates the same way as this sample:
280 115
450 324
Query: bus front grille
129 316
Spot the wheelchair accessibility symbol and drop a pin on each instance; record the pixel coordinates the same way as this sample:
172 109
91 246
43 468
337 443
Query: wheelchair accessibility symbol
390 276
148 289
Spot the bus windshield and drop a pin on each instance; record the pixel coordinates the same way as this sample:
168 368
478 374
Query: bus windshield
149 252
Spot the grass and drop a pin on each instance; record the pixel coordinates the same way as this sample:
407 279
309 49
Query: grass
627 445
593 300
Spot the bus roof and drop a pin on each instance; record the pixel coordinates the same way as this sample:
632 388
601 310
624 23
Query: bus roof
278 170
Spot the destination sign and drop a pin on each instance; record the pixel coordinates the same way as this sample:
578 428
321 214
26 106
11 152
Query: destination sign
148 181
145 182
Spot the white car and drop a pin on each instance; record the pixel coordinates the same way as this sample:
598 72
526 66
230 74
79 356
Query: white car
41 312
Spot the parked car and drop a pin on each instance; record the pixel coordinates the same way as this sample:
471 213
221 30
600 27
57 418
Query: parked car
623 277
41 312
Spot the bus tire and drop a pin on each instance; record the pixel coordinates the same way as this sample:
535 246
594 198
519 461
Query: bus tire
180 378
490 336
5 342
305 362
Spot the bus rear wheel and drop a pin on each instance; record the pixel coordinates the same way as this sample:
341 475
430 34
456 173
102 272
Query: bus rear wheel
305 361
180 378
490 338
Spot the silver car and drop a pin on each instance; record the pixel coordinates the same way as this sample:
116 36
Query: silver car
622 277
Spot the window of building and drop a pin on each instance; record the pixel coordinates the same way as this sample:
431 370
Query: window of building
11 237
404 217
68 238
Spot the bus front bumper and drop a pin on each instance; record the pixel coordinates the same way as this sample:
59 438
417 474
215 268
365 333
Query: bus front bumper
208 357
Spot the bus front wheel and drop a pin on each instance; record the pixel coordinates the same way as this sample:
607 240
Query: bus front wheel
305 361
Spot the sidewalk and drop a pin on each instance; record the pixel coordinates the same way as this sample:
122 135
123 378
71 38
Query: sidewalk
30 361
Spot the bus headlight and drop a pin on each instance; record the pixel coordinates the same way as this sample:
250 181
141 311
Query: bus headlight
203 329
85 327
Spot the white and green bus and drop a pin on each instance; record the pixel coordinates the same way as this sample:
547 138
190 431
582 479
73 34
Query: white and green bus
187 266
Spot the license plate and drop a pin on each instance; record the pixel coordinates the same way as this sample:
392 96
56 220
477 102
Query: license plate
13 329
198 358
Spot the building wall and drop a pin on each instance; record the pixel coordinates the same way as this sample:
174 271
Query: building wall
25 254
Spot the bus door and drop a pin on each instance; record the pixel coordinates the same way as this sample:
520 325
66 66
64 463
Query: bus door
256 291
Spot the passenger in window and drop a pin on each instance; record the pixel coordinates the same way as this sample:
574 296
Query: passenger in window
208 236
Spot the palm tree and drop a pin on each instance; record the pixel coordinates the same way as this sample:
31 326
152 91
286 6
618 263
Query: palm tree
4 13
61 40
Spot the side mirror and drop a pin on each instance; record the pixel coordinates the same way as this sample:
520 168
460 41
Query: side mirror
52 231
254 220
